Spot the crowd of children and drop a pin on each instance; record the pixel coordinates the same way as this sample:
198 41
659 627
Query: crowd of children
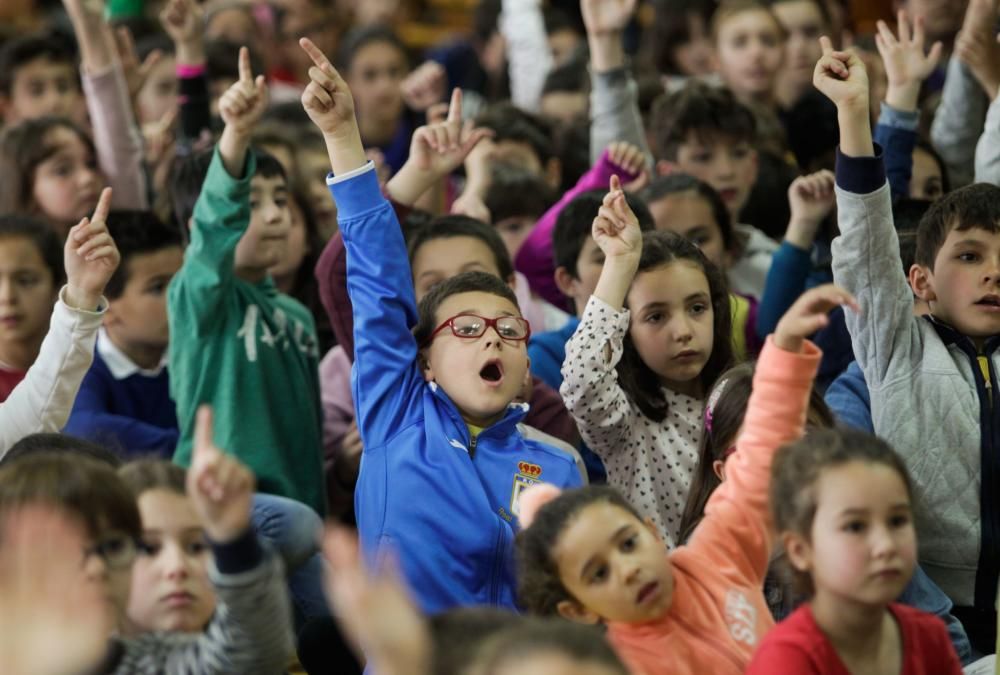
605 336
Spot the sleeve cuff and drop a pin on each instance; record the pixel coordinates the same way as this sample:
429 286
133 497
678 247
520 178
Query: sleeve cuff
333 180
899 119
239 555
860 175
101 307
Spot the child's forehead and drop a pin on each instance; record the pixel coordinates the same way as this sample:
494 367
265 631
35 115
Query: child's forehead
45 64
860 485
268 183
710 138
477 302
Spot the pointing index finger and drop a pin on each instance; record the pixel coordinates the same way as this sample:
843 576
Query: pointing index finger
103 205
317 56
455 108
826 45
203 430
246 72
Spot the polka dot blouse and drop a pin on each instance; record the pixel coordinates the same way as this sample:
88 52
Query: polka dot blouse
651 463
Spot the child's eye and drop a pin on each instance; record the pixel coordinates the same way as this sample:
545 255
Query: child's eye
197 547
854 527
698 308
899 521
968 257
701 157
150 548
281 202
254 204
655 317
599 575
740 153
629 544
27 280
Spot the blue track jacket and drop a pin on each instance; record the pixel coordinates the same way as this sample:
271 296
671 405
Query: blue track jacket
444 505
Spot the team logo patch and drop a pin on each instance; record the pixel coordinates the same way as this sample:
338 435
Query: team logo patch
527 475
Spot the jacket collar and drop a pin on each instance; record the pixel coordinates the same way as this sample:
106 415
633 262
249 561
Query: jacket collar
507 424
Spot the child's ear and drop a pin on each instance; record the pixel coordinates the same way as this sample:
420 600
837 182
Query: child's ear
798 550
511 282
665 168
719 467
425 365
553 172
565 281
922 283
574 611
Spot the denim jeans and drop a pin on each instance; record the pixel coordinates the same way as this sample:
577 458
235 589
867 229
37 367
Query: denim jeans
293 529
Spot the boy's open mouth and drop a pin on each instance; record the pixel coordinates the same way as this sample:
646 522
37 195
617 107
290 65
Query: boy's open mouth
991 301
492 372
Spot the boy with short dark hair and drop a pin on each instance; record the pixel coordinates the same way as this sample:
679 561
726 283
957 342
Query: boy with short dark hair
239 343
444 464
124 400
38 77
930 378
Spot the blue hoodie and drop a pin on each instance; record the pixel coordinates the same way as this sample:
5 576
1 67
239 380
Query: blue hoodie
443 503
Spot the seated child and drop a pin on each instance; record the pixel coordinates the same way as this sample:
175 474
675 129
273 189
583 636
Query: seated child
38 78
433 406
926 365
171 590
841 502
52 356
724 417
246 348
124 401
651 341
251 632
588 556
705 132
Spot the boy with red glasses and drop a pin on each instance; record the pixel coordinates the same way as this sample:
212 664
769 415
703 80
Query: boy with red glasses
444 463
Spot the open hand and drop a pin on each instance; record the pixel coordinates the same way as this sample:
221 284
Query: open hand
90 257
374 611
327 98
441 148
809 314
220 486
981 53
183 21
245 101
136 72
616 229
841 76
906 64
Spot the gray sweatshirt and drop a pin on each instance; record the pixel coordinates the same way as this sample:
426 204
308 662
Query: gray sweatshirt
926 390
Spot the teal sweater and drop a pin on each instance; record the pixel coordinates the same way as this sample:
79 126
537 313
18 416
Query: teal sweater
247 349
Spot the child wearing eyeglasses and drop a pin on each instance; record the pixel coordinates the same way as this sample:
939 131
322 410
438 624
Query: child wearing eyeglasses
444 464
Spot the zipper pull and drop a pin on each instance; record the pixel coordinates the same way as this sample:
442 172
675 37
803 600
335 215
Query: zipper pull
472 446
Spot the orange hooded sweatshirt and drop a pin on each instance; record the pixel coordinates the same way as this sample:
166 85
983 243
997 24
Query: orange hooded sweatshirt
718 614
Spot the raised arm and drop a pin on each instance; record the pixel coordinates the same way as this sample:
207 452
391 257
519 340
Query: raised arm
614 96
590 384
737 519
959 119
116 134
222 212
811 199
528 56
906 67
43 400
866 254
183 20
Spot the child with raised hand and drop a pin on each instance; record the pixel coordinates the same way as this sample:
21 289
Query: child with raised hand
588 555
906 68
56 360
841 502
250 632
945 362
434 406
652 339
239 343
